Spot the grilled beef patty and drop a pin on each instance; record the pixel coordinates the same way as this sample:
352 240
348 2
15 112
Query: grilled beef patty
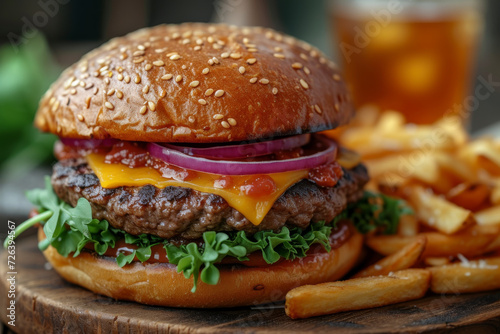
186 213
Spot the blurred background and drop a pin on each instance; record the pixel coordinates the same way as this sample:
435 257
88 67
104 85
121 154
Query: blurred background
40 38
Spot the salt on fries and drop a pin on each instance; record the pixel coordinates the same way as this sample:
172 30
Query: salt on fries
357 293
453 185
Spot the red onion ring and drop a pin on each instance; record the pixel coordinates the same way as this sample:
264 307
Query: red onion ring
224 167
89 143
245 150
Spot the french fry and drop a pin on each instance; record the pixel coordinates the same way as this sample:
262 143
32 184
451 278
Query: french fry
356 294
436 261
408 226
489 216
467 276
438 213
469 196
403 259
469 242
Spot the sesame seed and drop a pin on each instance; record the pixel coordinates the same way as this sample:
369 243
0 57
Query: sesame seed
148 67
199 41
210 39
216 46
337 107
178 78
75 83
52 100
141 47
279 55
231 121
336 77
304 84
303 56
202 101
104 69
80 117
216 61
242 69
145 90
176 35
72 91
110 92
159 63
170 54
186 41
205 70
251 61
219 93
123 56
143 110
252 50
246 40
313 53
119 94
160 50
163 93
235 55
55 106
306 70
138 53
197 48
220 42
210 62
322 60
224 55
297 65
317 108
137 79
191 119
225 124
194 83
209 92
96 90
253 80
278 49
152 106
106 81
275 90
264 81
175 57
127 79
218 116
167 76
119 77
87 101
109 105
138 60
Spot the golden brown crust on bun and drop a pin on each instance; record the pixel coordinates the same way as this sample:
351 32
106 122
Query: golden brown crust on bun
196 83
160 284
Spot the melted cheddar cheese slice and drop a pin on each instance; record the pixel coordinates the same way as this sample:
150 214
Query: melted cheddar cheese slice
254 209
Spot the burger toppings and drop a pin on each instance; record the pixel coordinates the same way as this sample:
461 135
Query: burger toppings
72 229
251 180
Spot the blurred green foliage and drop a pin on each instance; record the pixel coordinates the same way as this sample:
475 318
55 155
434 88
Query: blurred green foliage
25 74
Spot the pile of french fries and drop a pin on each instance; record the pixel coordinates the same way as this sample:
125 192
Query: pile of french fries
451 243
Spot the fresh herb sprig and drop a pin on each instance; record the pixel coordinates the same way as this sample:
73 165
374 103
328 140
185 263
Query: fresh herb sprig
70 229
376 212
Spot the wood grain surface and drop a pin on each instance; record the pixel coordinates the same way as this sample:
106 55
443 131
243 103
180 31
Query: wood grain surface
45 303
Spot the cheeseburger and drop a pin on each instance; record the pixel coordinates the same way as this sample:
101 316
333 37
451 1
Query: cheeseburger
190 172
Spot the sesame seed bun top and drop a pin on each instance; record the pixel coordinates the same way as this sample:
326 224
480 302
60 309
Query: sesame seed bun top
196 83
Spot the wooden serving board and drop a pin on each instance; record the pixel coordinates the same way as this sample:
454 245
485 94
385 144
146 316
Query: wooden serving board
45 303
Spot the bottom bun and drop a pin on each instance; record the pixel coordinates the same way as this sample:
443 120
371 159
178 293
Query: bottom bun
160 284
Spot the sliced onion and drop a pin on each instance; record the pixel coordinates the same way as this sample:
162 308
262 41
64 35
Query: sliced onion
245 150
89 143
225 167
